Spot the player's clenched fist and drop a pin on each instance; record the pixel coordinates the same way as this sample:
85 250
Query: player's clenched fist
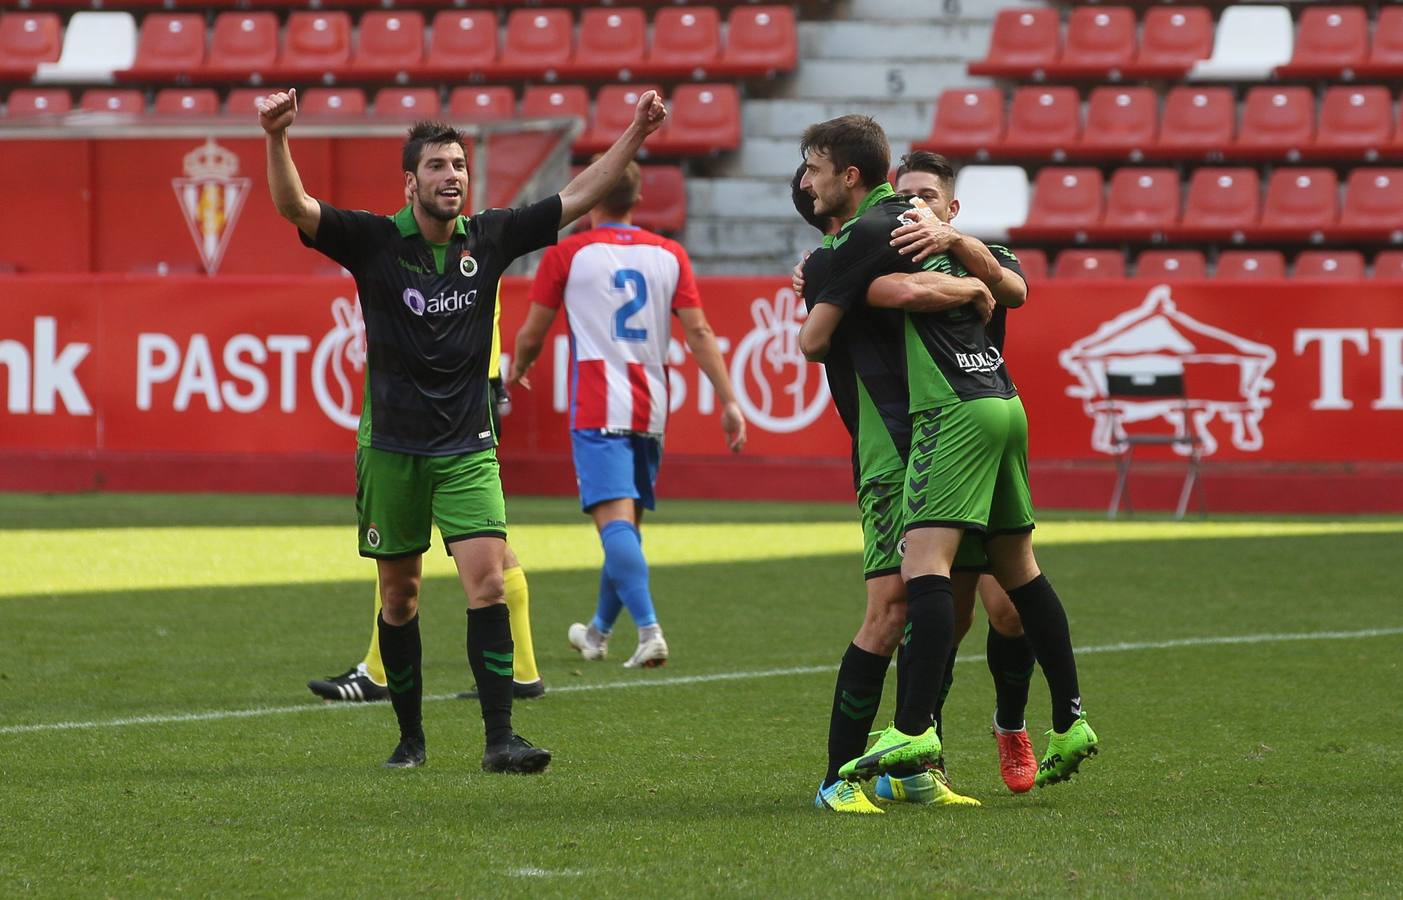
648 116
276 111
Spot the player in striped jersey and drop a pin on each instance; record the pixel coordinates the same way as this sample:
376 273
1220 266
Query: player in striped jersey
619 285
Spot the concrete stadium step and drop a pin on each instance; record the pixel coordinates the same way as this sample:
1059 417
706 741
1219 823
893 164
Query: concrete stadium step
840 79
933 40
901 119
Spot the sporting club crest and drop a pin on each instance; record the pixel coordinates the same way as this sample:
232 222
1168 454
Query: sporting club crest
1217 375
211 196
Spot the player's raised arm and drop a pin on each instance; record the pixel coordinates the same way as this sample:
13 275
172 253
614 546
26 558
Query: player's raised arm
927 292
275 113
585 191
701 340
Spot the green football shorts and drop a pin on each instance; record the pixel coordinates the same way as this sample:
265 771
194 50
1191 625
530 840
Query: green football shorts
399 498
883 546
969 468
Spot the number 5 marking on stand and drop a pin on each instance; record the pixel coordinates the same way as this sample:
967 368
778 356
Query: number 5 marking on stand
622 279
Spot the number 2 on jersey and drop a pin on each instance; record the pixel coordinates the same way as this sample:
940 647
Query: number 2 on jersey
623 278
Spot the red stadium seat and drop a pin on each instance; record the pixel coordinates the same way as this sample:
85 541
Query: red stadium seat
1330 264
1251 265
121 100
1276 122
1026 40
332 103
1043 121
686 41
1373 204
170 43
611 42
1100 41
186 102
543 101
390 41
243 42
1330 40
24 103
1221 203
1174 38
1354 121
463 42
408 104
484 104
1033 263
28 39
969 123
1065 201
1197 122
1120 122
760 40
705 118
539 42
662 204
1301 203
1171 265
243 102
317 41
1386 49
1388 265
1141 203
1092 264
613 112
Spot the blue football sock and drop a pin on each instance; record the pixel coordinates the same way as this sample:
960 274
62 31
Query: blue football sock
607 612
627 570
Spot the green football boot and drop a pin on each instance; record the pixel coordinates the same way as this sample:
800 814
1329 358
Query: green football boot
893 749
1066 751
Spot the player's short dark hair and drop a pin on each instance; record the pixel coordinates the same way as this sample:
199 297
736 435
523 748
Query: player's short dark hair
623 196
851 141
804 202
926 161
427 134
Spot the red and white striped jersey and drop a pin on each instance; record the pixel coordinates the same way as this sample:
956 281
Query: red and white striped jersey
619 285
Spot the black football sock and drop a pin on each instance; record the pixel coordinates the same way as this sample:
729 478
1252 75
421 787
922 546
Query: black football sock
490 656
856 697
402 655
1011 663
903 667
930 616
1045 626
945 686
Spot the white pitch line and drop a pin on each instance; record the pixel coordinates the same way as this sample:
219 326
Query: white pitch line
216 715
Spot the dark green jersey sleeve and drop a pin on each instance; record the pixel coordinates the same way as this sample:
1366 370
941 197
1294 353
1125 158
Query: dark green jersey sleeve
348 236
518 231
862 252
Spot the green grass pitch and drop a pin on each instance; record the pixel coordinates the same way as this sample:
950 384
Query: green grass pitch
156 737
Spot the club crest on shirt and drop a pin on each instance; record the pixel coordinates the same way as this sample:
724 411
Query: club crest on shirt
467 265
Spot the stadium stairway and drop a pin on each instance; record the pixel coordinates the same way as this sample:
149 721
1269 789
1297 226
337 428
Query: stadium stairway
881 59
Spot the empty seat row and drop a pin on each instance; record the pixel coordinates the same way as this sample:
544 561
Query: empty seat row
1349 122
1232 265
704 117
1220 204
395 44
1249 43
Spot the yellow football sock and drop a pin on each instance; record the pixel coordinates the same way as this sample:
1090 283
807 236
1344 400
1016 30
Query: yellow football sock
519 605
374 667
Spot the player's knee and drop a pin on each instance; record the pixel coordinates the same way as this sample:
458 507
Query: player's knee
487 588
1003 618
400 599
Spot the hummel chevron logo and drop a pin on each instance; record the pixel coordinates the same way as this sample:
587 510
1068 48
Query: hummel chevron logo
919 484
922 465
841 239
401 682
926 445
858 709
913 503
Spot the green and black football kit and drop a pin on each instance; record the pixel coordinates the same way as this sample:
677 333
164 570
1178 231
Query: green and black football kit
425 443
967 465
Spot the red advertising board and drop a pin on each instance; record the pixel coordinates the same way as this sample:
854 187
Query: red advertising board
246 382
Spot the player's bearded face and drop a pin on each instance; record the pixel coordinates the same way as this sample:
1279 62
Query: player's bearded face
441 183
823 181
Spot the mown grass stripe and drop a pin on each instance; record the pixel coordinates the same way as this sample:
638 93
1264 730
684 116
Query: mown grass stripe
708 678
